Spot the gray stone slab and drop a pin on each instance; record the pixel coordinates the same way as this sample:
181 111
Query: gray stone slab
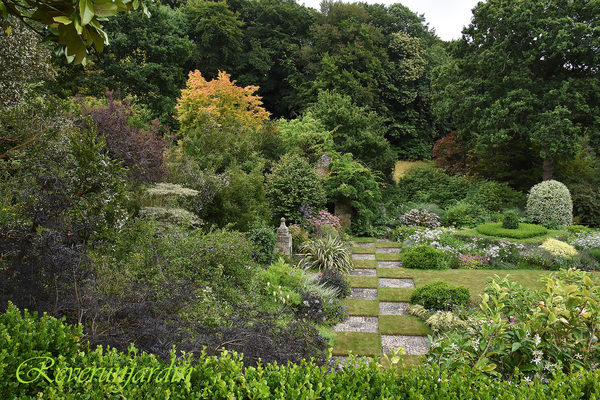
393 308
363 272
396 283
382 240
389 264
388 250
412 344
358 324
363 294
371 244
363 256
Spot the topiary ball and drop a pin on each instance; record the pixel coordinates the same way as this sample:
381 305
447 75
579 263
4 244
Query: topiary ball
511 220
548 201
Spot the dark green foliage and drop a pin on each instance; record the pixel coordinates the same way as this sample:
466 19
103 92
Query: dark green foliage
495 196
595 253
464 213
422 257
351 182
264 238
440 296
522 232
239 197
511 220
427 184
291 183
355 130
334 279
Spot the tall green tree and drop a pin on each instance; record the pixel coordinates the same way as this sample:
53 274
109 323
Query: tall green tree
526 71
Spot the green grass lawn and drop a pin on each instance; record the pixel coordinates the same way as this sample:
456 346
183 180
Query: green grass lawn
475 280
363 281
388 257
363 250
402 325
364 239
365 263
363 308
359 343
393 294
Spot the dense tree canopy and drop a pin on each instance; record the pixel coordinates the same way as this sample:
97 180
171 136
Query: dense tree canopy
526 71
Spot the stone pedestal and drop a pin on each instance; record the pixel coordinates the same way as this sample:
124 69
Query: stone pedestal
284 239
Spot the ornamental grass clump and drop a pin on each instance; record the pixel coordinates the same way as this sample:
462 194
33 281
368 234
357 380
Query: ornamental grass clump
548 201
558 248
326 252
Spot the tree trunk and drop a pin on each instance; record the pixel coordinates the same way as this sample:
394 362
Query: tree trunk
548 169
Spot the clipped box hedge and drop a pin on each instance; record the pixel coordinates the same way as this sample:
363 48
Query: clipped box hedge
44 359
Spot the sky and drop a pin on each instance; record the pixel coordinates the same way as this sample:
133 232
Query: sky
448 17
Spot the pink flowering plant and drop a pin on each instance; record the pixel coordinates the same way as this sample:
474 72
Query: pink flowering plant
472 261
317 221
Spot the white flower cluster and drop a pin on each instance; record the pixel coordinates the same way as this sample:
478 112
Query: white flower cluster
585 240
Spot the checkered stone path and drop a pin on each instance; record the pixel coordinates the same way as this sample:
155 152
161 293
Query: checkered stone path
389 264
387 250
412 344
363 294
363 256
358 324
393 308
396 283
363 272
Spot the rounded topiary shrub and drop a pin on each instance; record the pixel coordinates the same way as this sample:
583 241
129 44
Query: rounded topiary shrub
548 201
422 257
511 220
440 296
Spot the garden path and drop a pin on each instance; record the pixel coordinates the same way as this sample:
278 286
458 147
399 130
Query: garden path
377 306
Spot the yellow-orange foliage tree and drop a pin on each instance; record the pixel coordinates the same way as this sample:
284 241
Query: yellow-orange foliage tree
219 119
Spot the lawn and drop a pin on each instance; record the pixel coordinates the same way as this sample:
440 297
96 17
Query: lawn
402 325
360 343
475 280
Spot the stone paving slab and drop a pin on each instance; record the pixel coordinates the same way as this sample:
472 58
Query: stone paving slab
393 308
358 324
363 294
363 272
396 283
412 344
388 250
382 240
363 256
389 264
369 244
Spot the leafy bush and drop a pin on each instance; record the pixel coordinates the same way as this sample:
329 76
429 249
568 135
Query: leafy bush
427 184
264 239
463 213
422 257
524 231
349 181
333 278
421 218
140 151
511 220
291 183
328 252
299 236
402 233
495 196
550 200
535 333
440 296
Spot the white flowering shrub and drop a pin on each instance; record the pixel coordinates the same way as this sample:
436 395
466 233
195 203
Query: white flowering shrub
550 201
424 218
585 240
